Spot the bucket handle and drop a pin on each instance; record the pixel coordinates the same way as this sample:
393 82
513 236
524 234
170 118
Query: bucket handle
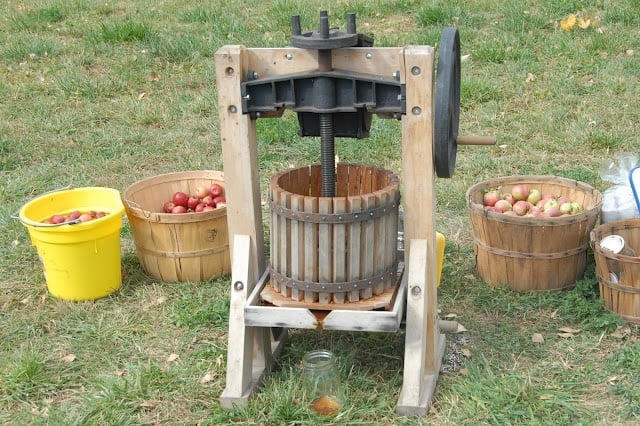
632 183
16 215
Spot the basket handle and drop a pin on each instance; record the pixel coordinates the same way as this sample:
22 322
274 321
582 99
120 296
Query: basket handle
133 204
592 239
16 215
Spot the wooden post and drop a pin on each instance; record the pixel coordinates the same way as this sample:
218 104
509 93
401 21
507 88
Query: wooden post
251 350
424 345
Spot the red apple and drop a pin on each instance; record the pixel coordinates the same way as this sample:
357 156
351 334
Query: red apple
86 217
509 197
216 190
552 212
490 197
208 209
219 200
202 191
192 202
521 207
180 199
57 219
208 201
503 205
74 215
179 209
199 207
550 204
520 191
168 206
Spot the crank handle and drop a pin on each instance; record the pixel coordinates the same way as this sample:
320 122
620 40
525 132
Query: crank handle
476 140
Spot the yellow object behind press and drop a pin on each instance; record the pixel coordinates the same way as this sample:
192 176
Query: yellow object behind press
440 243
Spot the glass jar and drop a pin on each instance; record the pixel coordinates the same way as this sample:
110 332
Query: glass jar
616 245
322 382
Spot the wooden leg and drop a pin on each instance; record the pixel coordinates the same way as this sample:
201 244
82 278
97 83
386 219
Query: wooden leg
251 350
424 345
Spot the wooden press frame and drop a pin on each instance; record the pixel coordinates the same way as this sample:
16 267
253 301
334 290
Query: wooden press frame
257 333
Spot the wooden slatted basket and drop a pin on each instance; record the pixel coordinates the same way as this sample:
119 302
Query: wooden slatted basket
178 247
533 254
334 249
619 274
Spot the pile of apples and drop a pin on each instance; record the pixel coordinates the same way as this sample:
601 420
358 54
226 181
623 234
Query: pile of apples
205 199
523 201
74 216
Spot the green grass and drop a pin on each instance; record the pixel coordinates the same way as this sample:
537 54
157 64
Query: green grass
108 93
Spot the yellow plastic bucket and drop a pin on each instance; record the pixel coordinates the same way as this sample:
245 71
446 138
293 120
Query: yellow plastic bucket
81 261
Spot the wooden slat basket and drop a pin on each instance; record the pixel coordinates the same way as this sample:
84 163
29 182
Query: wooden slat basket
178 247
533 254
338 249
618 274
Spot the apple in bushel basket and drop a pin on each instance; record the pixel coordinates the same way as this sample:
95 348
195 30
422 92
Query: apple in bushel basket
180 199
192 202
216 190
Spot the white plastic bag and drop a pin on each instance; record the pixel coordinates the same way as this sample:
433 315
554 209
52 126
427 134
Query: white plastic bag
618 201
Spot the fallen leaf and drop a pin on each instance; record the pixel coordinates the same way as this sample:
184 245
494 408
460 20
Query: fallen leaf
569 330
464 371
584 23
172 357
466 352
621 332
451 316
464 58
154 76
461 328
119 372
613 380
69 358
566 335
206 378
546 396
537 338
141 95
25 301
630 52
568 23
530 78
155 302
219 361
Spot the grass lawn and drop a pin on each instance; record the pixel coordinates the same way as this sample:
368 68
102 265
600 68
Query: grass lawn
108 93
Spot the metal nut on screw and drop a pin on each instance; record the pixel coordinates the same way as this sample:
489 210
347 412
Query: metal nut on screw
238 285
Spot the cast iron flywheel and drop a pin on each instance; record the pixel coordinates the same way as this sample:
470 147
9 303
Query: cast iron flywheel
447 103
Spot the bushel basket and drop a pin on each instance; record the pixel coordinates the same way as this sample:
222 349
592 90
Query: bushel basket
619 274
530 253
178 247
